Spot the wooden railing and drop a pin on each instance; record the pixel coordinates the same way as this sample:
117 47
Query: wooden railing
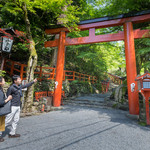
105 86
72 75
12 67
40 94
48 73
115 79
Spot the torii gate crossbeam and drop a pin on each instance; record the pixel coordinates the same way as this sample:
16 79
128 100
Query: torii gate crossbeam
128 35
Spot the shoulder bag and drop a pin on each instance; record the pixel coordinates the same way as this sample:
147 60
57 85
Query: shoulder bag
6 109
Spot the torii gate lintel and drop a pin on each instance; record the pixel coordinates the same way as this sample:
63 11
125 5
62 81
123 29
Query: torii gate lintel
92 38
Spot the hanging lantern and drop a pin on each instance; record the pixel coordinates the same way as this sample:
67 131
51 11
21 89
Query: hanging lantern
6 45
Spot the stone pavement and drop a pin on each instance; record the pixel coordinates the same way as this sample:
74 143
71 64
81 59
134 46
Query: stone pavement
79 128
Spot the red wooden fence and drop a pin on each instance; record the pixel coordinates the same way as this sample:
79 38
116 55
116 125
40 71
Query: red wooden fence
105 86
40 94
115 79
12 67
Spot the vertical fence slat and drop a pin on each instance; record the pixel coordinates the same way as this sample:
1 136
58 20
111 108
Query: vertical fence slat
12 68
80 76
4 63
64 75
21 71
73 75
40 73
53 73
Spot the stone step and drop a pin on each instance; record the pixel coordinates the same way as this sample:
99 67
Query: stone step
88 100
84 102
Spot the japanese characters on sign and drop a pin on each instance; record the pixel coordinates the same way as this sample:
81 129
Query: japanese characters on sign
6 45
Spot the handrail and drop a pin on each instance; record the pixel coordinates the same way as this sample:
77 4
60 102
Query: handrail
105 86
115 79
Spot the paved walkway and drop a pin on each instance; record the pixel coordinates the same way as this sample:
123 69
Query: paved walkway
79 128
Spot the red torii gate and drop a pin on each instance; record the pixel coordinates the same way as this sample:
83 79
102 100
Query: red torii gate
128 35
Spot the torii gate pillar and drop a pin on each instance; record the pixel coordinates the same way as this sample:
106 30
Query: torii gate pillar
59 69
131 68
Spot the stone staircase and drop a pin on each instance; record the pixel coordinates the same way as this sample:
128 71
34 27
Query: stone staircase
97 100
92 100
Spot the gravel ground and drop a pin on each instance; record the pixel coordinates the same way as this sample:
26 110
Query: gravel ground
79 128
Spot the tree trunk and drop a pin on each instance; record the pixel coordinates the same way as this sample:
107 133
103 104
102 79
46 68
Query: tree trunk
54 58
54 54
32 63
138 64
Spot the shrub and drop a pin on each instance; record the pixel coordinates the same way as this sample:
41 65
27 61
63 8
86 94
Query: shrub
71 88
45 85
81 87
2 73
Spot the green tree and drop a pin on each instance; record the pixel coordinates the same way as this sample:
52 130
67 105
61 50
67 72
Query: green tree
30 14
116 7
102 8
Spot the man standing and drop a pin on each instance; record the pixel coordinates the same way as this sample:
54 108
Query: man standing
16 91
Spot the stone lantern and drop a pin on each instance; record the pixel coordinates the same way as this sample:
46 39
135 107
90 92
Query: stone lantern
144 89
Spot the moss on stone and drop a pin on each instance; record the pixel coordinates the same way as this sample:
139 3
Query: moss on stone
142 123
115 105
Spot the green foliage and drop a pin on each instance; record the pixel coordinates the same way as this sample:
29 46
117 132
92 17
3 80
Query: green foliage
115 105
95 59
98 86
85 59
2 73
71 88
20 52
142 123
115 7
44 85
80 87
71 18
41 14
142 55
